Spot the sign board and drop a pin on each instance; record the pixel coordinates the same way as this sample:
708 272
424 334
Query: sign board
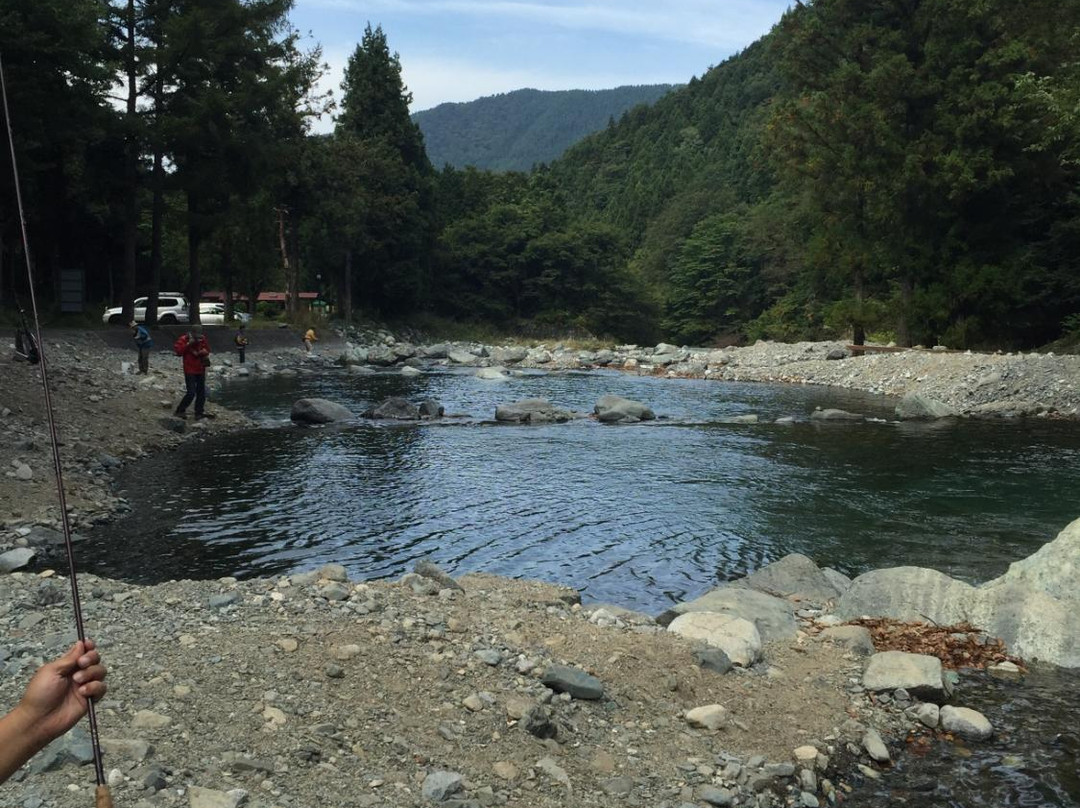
72 290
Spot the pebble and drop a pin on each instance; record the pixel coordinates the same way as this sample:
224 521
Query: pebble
875 747
710 716
146 719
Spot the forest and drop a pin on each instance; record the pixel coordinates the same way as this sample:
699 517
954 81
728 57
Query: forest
904 170
518 130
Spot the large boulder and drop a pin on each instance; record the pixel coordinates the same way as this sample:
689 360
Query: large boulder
438 351
531 411
318 411
394 409
793 576
492 374
737 638
773 617
460 357
916 405
509 356
612 409
1034 607
918 674
906 593
381 355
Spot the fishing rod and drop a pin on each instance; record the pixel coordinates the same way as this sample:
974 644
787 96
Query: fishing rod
103 797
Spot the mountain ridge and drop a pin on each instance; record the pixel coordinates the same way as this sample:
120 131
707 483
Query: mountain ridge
517 130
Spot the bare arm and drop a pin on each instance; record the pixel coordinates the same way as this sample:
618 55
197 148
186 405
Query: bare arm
56 698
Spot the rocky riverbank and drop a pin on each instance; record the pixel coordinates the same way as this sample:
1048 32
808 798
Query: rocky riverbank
962 383
316 690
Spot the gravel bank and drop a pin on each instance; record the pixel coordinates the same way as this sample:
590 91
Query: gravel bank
319 691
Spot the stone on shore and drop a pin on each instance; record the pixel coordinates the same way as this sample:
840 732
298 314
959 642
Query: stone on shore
16 559
319 411
199 797
613 409
967 723
773 617
710 716
906 593
577 683
917 406
736 637
918 674
856 639
793 576
875 747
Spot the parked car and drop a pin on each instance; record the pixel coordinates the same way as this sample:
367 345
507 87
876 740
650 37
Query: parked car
214 314
172 309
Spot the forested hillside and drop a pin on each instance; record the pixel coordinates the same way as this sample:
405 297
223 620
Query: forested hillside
895 169
907 168
518 130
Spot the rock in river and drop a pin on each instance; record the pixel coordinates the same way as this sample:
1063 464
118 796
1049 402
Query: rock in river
394 409
530 411
966 723
318 411
613 409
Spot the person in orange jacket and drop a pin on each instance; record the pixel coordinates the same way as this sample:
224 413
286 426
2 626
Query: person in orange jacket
195 350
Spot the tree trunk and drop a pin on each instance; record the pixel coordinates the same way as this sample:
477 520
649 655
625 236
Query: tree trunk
131 175
290 290
157 217
157 214
858 330
194 278
346 289
903 326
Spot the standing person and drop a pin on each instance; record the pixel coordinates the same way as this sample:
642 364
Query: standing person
241 341
195 350
54 701
144 343
310 339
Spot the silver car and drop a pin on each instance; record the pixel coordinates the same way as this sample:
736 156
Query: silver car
214 314
172 309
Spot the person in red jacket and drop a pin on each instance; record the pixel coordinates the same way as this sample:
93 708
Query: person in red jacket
195 350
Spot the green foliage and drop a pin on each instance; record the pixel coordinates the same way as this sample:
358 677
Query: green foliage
518 130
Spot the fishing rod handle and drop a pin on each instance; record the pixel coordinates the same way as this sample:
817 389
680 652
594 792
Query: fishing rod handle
103 797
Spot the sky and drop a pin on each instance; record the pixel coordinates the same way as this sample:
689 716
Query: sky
461 50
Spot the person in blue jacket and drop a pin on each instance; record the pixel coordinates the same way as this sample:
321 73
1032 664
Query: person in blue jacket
144 343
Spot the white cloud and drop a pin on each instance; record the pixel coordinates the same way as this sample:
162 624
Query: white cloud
723 24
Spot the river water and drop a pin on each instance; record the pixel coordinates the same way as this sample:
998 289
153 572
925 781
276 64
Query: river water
640 515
